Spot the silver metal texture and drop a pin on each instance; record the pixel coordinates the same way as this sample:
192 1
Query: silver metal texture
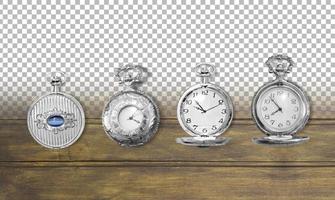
131 117
281 65
206 72
58 106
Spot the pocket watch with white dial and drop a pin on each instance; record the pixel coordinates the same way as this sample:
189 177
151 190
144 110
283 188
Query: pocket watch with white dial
280 108
205 111
131 117
56 120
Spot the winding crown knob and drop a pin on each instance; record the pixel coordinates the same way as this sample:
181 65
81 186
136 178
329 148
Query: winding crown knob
57 78
205 70
130 74
280 65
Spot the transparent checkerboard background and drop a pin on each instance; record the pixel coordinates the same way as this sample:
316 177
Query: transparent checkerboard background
89 39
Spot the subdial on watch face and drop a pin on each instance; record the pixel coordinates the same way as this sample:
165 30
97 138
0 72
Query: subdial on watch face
280 109
204 111
130 118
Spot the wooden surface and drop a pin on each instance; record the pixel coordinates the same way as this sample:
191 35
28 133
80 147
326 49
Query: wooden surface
97 168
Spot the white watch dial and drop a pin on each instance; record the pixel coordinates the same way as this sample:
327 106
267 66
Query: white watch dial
204 111
130 118
279 109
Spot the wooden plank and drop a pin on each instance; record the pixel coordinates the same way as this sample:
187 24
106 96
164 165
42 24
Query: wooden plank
17 145
167 183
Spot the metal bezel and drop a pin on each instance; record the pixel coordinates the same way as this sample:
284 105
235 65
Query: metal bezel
220 90
131 140
79 106
301 94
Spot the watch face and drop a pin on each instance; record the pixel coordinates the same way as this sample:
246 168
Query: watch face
131 118
205 111
280 109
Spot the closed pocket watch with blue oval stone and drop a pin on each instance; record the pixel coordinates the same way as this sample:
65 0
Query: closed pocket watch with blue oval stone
131 117
56 120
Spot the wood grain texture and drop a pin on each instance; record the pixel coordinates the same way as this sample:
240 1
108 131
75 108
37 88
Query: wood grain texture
162 183
16 144
97 168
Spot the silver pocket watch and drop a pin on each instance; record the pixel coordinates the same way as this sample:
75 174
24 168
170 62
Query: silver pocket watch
280 108
205 111
56 120
131 117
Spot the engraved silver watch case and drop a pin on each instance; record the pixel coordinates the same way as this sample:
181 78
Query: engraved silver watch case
280 108
205 111
56 120
131 117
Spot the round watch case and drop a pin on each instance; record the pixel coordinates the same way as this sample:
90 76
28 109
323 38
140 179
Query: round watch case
147 126
56 120
205 71
302 96
286 137
218 89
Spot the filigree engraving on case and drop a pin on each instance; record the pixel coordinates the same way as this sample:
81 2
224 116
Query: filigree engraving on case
56 120
131 117
69 120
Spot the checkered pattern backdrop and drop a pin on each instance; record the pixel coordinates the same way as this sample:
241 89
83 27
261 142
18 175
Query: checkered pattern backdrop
89 39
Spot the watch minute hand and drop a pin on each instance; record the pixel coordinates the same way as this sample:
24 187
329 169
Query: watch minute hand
213 107
276 103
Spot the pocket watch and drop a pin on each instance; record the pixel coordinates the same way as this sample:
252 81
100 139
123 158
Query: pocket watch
205 111
280 108
131 117
56 120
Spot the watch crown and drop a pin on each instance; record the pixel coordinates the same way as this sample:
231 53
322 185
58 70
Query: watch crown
130 74
205 71
280 65
57 79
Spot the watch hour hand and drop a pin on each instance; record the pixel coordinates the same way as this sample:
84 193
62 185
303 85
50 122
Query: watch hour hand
133 119
201 108
279 110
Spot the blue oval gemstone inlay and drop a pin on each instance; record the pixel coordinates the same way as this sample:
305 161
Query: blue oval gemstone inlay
55 121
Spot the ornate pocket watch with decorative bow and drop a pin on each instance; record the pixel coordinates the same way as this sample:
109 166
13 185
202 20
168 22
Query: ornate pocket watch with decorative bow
56 120
131 117
280 108
205 111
